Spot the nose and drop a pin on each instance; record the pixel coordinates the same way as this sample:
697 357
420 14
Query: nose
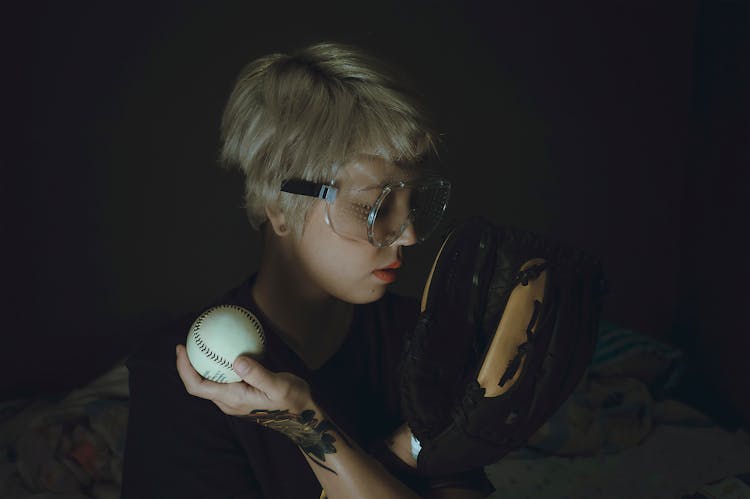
408 237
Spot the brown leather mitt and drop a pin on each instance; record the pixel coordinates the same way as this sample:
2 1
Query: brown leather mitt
508 327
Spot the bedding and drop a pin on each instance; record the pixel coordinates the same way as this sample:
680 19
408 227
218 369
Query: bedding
621 434
673 461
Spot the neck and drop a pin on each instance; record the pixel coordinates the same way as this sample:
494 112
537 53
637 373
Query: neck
310 321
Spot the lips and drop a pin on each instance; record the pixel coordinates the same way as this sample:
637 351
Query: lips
388 273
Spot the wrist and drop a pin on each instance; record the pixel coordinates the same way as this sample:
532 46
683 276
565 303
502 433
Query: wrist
401 444
299 419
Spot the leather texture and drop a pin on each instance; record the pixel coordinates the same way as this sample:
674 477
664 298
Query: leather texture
508 327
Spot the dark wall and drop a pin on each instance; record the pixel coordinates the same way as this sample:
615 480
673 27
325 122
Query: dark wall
713 293
574 120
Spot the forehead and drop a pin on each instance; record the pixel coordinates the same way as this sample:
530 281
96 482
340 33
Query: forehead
367 171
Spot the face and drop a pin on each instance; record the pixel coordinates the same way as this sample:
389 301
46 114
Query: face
345 266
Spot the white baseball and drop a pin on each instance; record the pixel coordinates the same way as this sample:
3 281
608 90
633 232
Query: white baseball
219 336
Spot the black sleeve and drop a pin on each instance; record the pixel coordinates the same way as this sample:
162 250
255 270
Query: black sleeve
178 445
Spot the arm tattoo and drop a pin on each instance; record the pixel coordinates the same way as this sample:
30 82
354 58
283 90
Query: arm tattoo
311 436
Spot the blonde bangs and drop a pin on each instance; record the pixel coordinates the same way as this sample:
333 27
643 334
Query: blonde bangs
400 139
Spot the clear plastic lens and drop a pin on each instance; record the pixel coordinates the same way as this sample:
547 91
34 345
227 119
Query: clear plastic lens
429 204
381 215
349 213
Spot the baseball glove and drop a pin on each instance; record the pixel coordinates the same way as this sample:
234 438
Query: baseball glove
507 329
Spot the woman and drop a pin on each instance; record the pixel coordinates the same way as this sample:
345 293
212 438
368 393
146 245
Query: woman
333 151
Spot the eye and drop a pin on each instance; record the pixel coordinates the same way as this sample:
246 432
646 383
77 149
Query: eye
360 209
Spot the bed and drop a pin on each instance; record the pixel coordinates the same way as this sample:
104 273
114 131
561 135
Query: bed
625 432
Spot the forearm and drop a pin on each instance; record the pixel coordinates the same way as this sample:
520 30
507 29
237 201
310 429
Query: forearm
343 469
348 471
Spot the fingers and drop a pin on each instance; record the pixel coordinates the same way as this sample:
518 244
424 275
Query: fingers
188 374
259 389
229 394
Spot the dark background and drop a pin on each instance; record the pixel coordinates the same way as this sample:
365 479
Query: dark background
620 127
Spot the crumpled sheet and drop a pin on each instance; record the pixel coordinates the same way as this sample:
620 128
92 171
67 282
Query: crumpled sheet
672 462
620 435
66 447
615 405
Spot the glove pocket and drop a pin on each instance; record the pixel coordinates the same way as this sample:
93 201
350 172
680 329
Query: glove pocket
516 332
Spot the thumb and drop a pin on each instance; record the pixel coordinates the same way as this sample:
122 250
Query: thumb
253 373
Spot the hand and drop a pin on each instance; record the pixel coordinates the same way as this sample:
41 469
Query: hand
260 390
400 444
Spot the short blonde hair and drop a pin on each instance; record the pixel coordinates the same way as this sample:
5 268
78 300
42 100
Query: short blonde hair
305 114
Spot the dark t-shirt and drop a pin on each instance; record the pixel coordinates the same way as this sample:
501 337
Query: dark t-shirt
184 447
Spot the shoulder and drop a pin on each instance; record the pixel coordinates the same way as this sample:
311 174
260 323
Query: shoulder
157 350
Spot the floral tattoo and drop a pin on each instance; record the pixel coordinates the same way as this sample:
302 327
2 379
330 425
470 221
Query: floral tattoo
304 429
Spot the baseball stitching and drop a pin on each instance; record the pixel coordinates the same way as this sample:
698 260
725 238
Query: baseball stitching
204 348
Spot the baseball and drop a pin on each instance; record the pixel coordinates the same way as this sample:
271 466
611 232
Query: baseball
219 336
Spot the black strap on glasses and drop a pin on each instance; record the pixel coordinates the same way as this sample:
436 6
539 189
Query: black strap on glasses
308 188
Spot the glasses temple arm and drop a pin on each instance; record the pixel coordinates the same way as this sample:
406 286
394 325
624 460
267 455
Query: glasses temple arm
308 188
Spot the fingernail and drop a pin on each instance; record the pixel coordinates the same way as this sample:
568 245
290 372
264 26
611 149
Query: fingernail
241 366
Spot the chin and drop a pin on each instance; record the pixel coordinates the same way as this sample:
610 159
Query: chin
367 295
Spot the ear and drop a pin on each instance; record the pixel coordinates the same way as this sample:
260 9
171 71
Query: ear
277 219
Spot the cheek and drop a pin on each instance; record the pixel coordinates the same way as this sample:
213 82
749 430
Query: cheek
341 267
328 252
336 265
